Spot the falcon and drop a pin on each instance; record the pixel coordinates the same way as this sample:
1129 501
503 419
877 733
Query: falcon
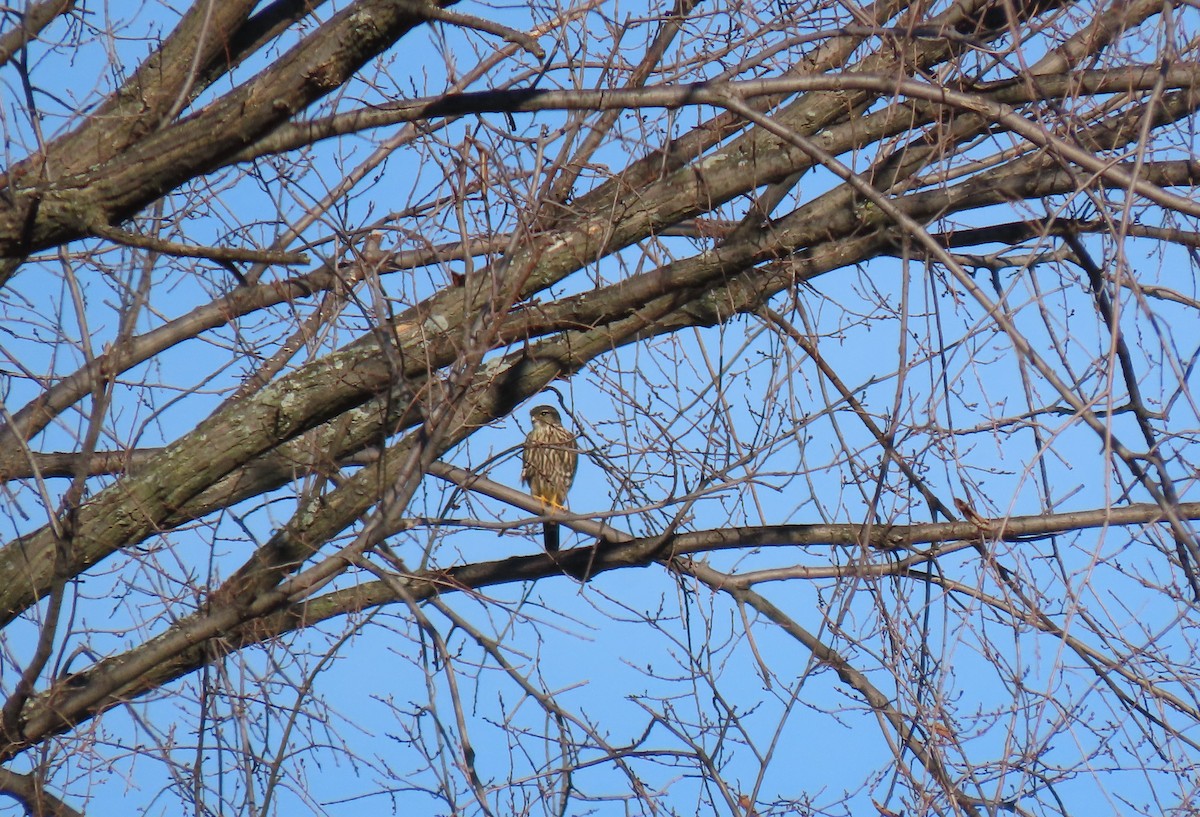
548 465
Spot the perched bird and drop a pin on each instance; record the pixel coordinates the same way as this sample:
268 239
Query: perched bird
548 465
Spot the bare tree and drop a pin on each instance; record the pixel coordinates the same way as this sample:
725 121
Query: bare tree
875 324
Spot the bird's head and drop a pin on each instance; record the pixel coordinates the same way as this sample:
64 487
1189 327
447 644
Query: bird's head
547 415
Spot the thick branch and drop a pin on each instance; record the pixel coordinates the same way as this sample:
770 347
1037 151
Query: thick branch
32 795
35 18
39 213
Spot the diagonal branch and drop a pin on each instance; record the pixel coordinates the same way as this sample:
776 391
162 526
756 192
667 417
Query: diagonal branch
35 18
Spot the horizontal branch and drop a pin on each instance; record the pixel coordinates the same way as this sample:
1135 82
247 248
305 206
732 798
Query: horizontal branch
184 649
529 100
1015 232
145 242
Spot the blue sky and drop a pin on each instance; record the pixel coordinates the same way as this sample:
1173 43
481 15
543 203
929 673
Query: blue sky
736 409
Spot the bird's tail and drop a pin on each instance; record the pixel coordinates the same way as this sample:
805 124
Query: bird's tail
550 536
